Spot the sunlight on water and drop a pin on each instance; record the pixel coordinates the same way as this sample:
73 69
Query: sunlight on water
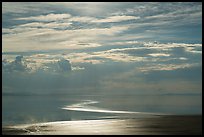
142 126
85 106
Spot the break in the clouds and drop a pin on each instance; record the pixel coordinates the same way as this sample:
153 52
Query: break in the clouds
136 48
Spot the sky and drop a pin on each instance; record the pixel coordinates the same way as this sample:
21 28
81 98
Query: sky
138 48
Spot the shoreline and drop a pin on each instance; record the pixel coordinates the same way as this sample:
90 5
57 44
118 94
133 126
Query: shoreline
159 125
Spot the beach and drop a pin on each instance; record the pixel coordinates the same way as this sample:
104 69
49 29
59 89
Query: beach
155 125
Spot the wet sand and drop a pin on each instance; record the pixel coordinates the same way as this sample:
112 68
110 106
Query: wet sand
157 125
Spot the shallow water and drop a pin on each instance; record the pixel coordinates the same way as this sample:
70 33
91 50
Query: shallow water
165 125
70 107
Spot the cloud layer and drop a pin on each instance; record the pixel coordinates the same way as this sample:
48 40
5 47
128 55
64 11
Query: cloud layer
103 49
47 30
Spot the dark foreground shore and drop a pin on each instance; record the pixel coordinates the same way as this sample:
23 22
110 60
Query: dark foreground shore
159 125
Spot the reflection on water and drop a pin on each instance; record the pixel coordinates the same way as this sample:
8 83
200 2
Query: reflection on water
168 125
85 106
33 109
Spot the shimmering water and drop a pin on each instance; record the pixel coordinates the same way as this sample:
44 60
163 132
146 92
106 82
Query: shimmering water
165 125
33 109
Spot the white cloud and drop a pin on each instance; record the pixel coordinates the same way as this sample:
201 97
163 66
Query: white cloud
82 19
182 13
169 46
116 19
183 58
127 42
135 52
57 25
6 30
167 67
93 57
159 54
78 68
69 18
117 56
16 30
40 63
78 45
47 18
45 38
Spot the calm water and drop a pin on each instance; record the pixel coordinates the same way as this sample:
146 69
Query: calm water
33 109
160 125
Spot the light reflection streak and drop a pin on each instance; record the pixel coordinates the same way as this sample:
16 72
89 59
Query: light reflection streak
85 106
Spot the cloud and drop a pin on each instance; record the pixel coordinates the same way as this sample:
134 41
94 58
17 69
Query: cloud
82 19
34 38
50 25
114 55
68 18
38 63
151 84
133 51
68 28
47 18
116 19
78 45
92 49
167 21
156 79
16 65
169 46
169 54
64 65
15 7
159 54
18 59
191 11
77 68
159 11
25 8
52 65
167 67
